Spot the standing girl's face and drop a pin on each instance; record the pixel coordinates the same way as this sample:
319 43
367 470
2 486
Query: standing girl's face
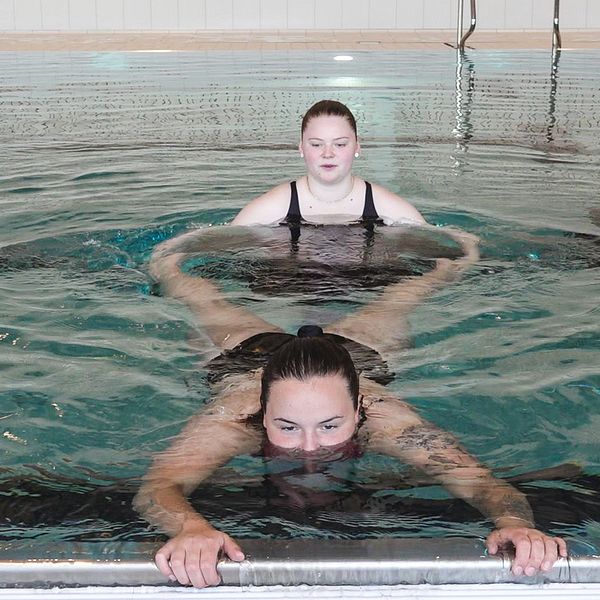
329 145
310 414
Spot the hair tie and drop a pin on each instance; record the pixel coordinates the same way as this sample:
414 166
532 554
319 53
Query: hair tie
309 331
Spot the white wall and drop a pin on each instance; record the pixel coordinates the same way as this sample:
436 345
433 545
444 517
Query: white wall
187 15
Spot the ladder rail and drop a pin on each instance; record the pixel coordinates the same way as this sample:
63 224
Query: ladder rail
462 38
556 40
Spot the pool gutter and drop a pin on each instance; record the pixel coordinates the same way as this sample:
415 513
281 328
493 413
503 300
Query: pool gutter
314 562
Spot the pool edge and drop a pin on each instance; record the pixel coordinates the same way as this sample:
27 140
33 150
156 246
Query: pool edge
374 562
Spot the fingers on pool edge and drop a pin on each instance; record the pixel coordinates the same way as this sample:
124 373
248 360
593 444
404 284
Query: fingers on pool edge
161 560
233 550
492 542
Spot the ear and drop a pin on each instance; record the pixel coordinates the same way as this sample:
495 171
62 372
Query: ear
357 147
300 148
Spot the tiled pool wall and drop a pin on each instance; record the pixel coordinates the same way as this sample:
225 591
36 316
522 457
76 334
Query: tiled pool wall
197 15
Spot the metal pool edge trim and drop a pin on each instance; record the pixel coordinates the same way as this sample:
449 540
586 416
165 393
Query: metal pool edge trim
385 561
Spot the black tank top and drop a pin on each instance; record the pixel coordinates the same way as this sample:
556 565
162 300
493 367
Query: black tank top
369 214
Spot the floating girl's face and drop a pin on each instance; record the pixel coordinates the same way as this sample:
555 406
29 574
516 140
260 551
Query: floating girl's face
329 145
311 414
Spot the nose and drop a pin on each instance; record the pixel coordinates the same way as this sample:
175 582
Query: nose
309 441
328 150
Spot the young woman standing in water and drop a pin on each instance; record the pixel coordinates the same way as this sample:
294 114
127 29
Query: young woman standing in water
329 192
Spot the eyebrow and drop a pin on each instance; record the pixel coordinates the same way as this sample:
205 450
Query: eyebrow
285 421
320 422
344 137
330 419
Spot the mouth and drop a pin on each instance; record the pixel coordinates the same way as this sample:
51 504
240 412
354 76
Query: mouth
328 166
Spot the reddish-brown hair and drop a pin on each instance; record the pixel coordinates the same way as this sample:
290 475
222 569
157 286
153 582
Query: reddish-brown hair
330 108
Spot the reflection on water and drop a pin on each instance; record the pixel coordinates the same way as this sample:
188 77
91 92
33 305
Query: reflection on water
318 262
104 157
365 507
465 98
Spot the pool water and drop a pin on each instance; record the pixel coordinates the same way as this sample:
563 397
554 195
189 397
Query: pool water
106 154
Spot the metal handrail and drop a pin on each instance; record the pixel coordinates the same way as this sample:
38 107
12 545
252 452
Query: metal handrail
461 39
556 41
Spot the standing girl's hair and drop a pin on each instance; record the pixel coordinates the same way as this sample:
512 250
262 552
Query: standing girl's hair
329 108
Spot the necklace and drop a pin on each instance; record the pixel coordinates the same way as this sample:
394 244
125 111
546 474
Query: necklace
331 201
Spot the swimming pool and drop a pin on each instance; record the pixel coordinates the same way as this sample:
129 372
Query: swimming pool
106 154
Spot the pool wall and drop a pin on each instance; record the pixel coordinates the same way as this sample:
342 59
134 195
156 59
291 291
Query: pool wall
197 15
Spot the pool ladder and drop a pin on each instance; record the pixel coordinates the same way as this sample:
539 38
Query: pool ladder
462 38
465 81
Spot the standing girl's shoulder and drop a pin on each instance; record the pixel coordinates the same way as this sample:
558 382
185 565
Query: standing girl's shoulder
393 209
268 209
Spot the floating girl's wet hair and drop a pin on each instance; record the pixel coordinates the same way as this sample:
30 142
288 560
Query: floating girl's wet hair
311 354
329 108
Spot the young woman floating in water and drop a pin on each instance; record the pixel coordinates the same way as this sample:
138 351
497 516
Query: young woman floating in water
329 192
310 403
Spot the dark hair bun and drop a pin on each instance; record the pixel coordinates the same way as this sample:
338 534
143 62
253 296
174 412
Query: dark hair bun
309 331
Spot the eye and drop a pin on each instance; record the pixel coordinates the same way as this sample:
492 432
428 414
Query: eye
329 427
315 144
288 428
341 144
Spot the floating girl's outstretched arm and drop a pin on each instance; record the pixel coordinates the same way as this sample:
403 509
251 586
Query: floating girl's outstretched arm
225 323
392 427
210 439
382 324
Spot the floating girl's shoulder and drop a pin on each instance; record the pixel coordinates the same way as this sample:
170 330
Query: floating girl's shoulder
237 396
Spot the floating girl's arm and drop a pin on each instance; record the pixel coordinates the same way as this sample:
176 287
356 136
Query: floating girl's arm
209 440
392 427
225 323
382 324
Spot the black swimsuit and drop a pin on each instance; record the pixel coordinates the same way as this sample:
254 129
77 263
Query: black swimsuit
369 215
253 353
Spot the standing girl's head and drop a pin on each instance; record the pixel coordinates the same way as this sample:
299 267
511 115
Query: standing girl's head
329 108
328 142
309 395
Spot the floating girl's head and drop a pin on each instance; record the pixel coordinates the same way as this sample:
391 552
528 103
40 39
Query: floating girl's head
309 395
310 354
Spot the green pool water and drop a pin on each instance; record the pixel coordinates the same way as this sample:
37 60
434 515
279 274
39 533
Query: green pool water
106 154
